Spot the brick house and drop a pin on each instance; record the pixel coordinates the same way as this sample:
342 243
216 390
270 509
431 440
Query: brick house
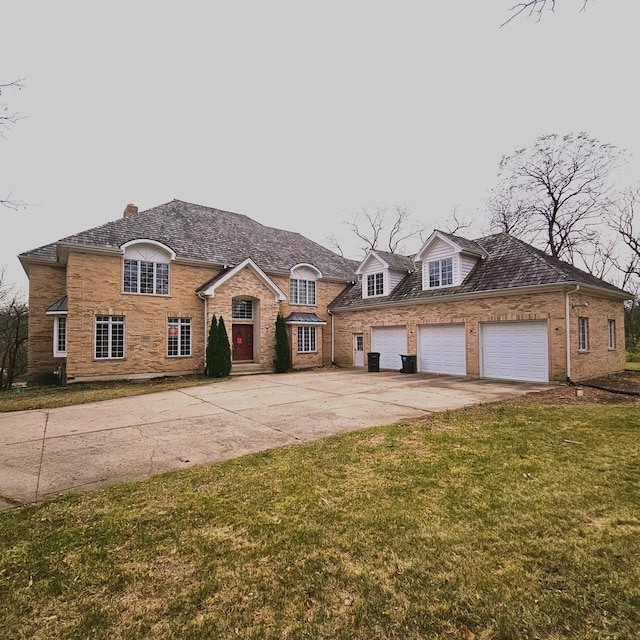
495 307
134 298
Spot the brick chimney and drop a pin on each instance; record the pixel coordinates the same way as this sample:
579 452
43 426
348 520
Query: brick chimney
130 210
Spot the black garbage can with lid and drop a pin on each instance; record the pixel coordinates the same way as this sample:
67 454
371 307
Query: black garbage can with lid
373 361
409 363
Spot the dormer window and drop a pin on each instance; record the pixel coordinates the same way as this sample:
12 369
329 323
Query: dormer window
146 268
441 273
375 284
447 260
302 285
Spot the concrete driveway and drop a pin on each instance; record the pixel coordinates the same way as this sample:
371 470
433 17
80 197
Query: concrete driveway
48 452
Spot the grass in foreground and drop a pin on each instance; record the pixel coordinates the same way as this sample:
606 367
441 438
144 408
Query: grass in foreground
511 521
632 366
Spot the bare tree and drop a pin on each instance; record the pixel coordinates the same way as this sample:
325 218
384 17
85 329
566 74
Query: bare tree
335 243
13 335
455 223
506 215
556 192
8 118
624 219
535 7
386 228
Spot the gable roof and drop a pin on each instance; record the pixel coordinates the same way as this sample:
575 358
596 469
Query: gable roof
462 244
209 288
509 264
388 260
204 234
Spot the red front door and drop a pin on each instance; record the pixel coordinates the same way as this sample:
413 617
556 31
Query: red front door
242 339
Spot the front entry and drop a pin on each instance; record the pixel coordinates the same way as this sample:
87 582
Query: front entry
242 340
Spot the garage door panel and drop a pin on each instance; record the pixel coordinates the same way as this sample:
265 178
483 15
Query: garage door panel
442 349
390 342
515 351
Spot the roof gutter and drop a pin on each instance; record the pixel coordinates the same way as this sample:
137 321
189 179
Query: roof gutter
567 327
492 293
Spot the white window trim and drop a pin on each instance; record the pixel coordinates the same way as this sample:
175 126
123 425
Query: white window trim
111 324
295 299
57 353
178 322
311 329
366 284
146 250
155 278
583 334
439 262
611 331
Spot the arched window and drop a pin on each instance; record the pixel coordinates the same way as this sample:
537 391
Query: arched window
146 267
302 285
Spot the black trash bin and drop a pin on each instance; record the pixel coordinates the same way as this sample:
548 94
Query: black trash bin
373 361
409 363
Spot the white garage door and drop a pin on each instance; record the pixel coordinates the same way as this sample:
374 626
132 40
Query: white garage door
390 342
515 351
441 349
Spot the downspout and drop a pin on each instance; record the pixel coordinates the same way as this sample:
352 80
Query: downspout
333 360
206 329
567 329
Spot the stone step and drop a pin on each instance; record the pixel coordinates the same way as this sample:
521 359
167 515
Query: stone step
248 369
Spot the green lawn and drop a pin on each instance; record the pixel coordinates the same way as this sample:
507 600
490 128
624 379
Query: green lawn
515 521
632 366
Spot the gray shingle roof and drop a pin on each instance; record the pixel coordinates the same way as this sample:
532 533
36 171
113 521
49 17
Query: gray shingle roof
396 261
471 246
210 235
509 264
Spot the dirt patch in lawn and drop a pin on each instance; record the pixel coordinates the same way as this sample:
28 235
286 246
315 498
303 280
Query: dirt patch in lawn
611 390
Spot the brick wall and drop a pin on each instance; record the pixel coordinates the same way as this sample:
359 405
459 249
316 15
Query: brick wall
93 283
326 292
549 307
46 285
94 286
599 358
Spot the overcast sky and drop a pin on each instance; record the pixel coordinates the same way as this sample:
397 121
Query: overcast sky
294 113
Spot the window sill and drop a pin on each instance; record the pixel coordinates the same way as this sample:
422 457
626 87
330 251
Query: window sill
151 295
583 351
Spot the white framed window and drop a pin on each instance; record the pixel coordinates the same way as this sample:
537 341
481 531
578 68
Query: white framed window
143 276
583 334
242 309
307 339
375 284
302 291
60 336
611 326
109 337
441 273
178 337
